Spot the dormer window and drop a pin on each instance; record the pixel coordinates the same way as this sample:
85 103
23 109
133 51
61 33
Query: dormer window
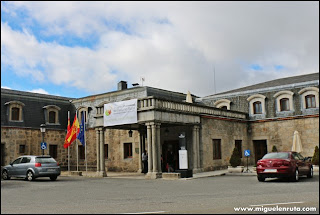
222 104
309 98
15 111
257 105
51 114
284 101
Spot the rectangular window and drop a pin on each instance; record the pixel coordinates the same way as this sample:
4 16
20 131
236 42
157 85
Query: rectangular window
52 117
127 149
257 108
22 149
310 101
238 145
106 151
216 149
15 114
284 104
53 151
81 151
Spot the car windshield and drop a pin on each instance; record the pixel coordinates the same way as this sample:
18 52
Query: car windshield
281 155
45 160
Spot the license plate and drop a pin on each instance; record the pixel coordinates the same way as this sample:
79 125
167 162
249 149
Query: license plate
51 170
270 170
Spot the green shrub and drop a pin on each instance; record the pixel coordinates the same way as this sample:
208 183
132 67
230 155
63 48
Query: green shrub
315 158
235 159
274 148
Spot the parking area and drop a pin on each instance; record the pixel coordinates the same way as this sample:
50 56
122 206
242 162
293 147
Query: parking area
221 194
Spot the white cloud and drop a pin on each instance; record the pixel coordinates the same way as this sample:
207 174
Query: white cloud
42 91
174 45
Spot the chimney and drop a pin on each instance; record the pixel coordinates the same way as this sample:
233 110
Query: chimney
122 85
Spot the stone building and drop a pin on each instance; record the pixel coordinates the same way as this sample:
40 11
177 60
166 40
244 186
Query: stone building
255 117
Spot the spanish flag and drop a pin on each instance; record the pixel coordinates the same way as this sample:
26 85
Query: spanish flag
72 132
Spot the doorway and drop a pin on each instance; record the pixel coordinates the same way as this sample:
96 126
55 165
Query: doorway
260 149
174 146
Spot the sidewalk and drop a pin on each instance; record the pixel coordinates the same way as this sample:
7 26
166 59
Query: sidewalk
134 175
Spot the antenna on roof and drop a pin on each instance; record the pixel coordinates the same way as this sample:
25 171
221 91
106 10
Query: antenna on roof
214 79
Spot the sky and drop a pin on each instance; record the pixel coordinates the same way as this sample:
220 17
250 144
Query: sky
76 49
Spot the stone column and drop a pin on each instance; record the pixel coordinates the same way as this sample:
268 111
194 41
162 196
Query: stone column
149 136
140 151
154 148
198 147
195 149
98 148
158 147
102 160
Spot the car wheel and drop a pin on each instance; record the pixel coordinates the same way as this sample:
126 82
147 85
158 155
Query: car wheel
53 178
30 176
5 175
261 178
295 177
310 174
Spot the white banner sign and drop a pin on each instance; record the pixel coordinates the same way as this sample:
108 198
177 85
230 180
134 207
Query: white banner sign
120 113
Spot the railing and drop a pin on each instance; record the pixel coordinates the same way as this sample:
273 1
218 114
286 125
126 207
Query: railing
151 103
161 104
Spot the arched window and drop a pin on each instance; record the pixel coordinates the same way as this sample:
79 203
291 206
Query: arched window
257 105
223 104
284 101
309 97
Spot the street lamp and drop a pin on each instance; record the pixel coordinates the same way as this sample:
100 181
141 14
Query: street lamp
43 130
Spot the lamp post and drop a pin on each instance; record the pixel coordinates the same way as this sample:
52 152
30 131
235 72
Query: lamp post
43 130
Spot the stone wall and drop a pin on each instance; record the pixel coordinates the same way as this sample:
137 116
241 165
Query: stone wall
226 130
280 133
12 138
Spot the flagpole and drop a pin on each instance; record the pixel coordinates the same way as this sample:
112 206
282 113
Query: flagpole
77 149
85 143
68 146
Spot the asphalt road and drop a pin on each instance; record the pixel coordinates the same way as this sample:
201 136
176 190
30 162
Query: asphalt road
213 195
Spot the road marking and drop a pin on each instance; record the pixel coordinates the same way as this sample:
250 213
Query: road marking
154 212
285 203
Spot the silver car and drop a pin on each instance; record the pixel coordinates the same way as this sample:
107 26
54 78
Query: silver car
31 167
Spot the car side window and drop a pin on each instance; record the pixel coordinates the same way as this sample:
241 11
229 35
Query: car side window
300 156
25 160
295 156
17 161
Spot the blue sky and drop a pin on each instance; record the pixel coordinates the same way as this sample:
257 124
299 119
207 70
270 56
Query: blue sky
76 49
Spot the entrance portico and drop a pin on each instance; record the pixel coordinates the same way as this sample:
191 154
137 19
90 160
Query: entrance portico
154 115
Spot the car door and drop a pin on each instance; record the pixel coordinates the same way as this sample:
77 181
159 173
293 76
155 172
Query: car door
14 165
299 162
23 166
303 166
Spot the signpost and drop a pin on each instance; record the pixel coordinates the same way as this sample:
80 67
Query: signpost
247 154
43 146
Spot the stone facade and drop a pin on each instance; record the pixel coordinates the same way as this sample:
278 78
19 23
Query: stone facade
163 116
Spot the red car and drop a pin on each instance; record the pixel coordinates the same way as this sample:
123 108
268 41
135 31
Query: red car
289 165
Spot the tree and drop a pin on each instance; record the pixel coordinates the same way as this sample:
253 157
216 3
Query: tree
274 149
315 158
235 159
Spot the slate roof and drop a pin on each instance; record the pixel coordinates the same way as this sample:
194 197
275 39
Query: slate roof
33 112
275 83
